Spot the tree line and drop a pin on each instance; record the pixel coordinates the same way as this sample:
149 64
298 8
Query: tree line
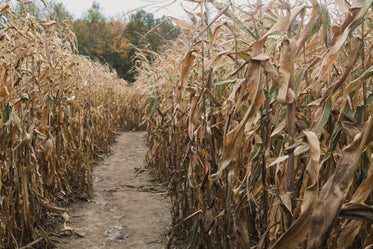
112 40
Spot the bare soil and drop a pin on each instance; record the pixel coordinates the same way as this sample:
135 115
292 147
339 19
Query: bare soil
128 209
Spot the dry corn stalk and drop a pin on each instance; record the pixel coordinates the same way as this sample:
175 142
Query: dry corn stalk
57 111
259 118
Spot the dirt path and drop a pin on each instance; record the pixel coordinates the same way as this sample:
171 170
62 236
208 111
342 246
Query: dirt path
127 209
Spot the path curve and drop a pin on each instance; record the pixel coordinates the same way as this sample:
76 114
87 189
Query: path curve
128 209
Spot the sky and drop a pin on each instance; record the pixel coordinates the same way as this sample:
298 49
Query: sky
114 7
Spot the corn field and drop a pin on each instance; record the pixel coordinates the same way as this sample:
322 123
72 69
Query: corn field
260 119
58 111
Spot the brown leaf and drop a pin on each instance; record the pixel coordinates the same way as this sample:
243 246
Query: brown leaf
4 93
295 234
4 9
307 32
358 10
355 84
194 113
350 231
351 60
183 24
333 193
213 99
187 62
278 160
286 201
342 5
331 56
48 149
359 211
348 234
234 138
285 23
274 75
286 74
156 27
314 144
299 229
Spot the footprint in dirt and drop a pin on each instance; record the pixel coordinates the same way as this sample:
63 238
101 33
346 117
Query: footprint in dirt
116 233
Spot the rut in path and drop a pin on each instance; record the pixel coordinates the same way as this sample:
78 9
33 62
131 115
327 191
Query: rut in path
127 209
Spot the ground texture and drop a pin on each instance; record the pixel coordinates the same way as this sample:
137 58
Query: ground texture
128 208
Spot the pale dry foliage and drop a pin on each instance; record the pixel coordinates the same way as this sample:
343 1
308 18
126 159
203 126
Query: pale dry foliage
260 118
58 110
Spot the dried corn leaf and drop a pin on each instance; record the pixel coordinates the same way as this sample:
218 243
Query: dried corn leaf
183 24
333 193
187 62
234 138
298 230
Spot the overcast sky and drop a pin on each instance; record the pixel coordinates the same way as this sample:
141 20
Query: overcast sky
114 7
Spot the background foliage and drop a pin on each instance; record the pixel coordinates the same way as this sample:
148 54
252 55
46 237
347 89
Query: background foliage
111 40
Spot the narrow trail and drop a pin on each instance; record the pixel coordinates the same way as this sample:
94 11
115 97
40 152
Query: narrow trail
127 209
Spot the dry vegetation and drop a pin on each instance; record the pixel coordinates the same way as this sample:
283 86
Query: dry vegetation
58 110
260 118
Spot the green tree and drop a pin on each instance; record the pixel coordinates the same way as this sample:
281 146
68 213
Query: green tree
137 30
112 40
91 31
94 15
59 13
102 38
